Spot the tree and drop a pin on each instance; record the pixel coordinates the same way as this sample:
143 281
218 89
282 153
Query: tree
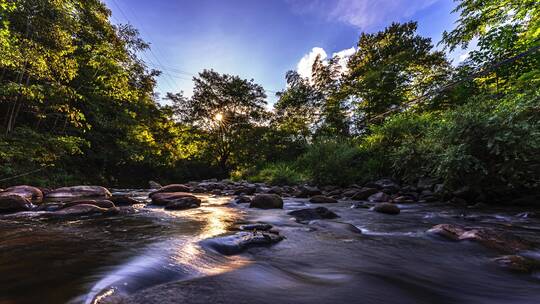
225 107
391 67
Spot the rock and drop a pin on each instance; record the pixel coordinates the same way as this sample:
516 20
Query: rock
154 185
266 201
363 193
242 200
306 215
99 203
387 208
14 203
124 200
171 188
276 190
529 200
183 203
426 183
379 197
466 193
33 194
517 263
247 190
528 215
78 192
216 192
236 243
361 205
403 200
490 238
85 209
321 199
336 227
163 199
307 191
256 227
386 185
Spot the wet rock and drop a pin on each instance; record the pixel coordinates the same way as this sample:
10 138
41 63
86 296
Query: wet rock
386 185
466 193
78 192
247 190
321 199
428 196
403 200
183 203
529 200
242 200
517 263
306 215
363 193
307 191
154 185
236 243
338 227
14 203
49 207
426 183
163 199
256 227
379 197
171 188
266 201
528 215
84 210
33 194
386 208
361 205
124 200
99 203
216 192
490 238
275 190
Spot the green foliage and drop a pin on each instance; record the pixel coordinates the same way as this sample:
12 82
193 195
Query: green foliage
278 174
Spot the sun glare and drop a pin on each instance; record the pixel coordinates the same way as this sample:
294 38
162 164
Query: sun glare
218 117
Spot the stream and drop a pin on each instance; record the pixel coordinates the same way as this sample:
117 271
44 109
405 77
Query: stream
152 255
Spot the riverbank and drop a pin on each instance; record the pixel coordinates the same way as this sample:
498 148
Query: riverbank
312 246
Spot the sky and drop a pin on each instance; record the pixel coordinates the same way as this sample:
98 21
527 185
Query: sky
263 39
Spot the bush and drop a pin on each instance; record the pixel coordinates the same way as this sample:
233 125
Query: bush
278 174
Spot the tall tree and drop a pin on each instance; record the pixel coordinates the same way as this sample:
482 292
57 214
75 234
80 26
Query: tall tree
227 108
391 67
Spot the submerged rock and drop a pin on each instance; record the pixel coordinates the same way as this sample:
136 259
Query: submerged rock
124 200
387 208
78 192
184 203
256 227
238 242
242 200
321 199
517 263
379 197
490 238
306 215
99 203
85 209
14 203
338 227
33 194
266 201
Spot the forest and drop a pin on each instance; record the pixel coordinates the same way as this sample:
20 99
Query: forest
79 106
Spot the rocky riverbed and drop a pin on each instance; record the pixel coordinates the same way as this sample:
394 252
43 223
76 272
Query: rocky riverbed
227 242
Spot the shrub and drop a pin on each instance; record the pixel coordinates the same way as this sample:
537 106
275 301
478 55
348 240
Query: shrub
278 174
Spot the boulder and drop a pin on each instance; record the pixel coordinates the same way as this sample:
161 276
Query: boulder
306 215
78 192
184 203
363 193
336 227
85 209
386 185
247 190
33 194
379 197
238 242
321 199
403 200
490 238
266 201
386 208
276 190
307 191
162 199
99 203
171 188
14 203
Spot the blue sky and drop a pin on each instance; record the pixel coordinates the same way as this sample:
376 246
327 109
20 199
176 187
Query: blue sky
262 39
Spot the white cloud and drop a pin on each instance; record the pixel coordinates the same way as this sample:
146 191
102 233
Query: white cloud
304 65
362 13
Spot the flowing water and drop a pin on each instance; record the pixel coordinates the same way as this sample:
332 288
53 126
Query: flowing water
156 256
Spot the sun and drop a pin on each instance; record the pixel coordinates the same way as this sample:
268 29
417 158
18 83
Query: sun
218 117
